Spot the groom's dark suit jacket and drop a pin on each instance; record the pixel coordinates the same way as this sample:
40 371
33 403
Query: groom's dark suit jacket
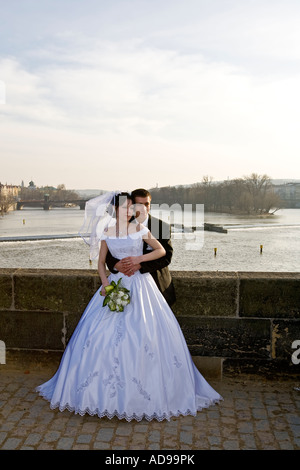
158 268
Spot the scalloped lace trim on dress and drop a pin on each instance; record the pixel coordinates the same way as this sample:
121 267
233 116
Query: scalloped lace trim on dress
107 414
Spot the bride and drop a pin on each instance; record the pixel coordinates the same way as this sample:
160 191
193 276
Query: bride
132 364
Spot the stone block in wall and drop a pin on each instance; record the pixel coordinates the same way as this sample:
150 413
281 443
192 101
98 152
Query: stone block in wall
32 330
270 295
6 289
227 337
205 294
71 321
62 291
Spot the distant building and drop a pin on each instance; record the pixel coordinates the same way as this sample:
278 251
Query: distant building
9 190
31 185
8 197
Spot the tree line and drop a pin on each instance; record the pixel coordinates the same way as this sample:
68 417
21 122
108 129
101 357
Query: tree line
249 195
55 194
252 194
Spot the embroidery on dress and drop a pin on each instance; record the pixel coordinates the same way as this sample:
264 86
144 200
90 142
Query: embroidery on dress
150 354
88 381
140 389
114 381
87 344
119 332
177 363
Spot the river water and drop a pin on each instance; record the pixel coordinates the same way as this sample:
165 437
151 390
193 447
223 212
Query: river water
237 250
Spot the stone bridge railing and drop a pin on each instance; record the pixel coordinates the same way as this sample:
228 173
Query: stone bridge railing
241 321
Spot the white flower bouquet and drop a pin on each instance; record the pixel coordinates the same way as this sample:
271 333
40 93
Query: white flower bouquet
117 296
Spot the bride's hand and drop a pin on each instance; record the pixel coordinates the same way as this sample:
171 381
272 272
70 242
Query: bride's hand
103 291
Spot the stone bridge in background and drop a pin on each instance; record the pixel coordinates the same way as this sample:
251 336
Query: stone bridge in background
47 204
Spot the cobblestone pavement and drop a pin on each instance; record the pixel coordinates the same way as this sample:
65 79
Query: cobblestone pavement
255 414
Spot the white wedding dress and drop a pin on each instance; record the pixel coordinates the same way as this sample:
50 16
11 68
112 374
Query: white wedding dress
133 364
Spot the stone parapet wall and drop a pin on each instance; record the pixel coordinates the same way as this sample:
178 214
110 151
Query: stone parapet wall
249 320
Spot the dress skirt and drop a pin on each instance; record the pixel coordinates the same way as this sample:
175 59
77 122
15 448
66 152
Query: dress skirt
133 364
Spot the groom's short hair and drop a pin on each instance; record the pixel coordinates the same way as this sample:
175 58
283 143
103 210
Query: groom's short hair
140 193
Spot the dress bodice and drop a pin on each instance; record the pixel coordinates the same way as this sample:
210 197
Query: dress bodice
131 245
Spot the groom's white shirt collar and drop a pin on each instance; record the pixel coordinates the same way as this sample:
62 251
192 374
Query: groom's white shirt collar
145 223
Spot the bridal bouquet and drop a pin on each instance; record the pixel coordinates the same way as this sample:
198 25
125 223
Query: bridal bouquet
117 297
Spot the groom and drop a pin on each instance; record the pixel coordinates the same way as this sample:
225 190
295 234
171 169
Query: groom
157 268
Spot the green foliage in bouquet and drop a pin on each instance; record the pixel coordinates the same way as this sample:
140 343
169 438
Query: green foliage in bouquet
117 296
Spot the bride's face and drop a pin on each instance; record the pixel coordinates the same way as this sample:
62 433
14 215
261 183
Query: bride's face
125 211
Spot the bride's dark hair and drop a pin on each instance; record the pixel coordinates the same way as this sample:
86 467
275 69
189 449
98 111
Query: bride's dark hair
116 201
120 198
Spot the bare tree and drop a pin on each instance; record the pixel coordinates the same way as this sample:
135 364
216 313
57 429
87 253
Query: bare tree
6 202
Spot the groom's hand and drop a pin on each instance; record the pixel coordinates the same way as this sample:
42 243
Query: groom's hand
126 267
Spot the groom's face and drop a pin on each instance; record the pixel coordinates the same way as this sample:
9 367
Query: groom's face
142 206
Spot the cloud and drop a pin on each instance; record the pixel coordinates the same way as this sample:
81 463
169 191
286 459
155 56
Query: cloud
2 92
27 95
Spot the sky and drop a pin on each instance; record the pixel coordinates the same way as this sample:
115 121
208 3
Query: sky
120 94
